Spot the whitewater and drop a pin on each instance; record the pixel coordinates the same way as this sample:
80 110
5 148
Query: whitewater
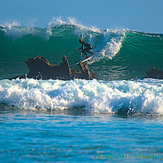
118 54
121 55
141 96
114 118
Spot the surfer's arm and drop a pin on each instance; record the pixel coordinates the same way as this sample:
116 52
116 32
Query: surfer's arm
78 49
82 47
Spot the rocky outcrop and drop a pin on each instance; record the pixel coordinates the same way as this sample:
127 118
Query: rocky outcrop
154 73
41 68
84 70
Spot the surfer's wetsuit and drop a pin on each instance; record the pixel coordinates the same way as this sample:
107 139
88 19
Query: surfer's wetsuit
87 49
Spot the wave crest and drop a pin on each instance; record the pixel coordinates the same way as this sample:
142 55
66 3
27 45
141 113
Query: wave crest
142 96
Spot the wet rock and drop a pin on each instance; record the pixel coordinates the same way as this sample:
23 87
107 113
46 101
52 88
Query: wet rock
84 70
154 73
41 68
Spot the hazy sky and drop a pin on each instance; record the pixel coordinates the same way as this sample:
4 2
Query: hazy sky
141 15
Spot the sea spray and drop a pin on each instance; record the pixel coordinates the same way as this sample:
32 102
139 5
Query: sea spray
141 96
118 54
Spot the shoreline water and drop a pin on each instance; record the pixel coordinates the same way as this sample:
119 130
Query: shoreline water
45 136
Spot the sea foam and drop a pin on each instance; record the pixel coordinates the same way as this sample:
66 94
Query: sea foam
106 43
141 96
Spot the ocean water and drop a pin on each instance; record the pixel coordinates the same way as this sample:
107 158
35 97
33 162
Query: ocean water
71 136
117 117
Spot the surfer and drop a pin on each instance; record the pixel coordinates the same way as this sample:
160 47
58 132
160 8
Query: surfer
87 49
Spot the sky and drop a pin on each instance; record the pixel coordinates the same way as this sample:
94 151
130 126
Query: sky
139 15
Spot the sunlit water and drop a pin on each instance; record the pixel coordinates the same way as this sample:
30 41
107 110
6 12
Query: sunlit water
117 118
79 136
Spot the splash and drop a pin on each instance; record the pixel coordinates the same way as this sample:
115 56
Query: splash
106 43
118 54
141 96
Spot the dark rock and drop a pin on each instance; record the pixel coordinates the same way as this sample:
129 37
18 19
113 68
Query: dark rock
84 70
65 68
154 73
41 68
19 76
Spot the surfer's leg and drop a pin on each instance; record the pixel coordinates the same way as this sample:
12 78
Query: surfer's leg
84 51
88 50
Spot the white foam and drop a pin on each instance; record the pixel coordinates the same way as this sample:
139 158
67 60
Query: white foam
15 31
103 97
106 43
111 44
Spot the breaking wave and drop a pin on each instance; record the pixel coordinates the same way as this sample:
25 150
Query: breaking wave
141 96
118 54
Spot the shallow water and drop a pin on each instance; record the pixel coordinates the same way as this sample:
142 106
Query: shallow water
72 136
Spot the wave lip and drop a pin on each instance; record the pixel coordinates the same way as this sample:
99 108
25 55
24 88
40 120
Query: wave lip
106 43
14 31
118 54
109 46
141 96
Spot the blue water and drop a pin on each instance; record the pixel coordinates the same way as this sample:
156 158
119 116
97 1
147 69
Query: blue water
117 118
77 136
81 120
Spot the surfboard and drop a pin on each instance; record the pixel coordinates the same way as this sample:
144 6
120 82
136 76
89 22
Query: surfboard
86 59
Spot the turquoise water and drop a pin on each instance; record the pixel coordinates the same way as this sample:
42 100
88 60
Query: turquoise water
116 118
68 136
79 120
119 54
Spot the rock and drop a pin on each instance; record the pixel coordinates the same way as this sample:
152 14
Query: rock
41 68
65 68
84 70
154 73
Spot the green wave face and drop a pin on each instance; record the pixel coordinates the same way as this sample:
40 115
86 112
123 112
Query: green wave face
118 54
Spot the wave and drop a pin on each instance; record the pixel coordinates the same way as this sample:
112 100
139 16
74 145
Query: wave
118 54
141 96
